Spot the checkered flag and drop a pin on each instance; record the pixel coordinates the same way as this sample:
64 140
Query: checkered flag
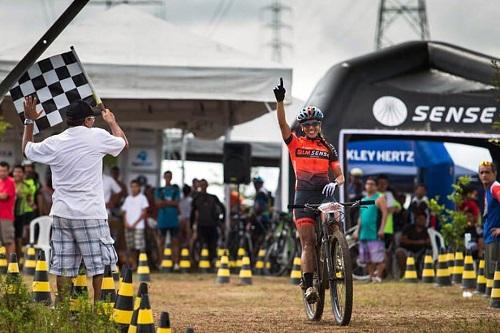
56 82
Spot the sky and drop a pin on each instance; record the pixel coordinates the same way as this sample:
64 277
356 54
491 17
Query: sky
318 34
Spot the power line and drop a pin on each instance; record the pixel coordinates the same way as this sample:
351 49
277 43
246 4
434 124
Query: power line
219 15
277 8
413 12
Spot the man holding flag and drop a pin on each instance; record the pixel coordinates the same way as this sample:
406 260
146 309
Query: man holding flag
80 229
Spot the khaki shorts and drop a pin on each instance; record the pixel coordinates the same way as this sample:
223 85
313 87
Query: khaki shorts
491 256
6 232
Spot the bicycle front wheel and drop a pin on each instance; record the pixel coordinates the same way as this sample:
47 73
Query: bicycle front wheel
341 279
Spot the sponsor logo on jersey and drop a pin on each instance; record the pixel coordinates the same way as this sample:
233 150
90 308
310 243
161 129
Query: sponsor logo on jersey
312 153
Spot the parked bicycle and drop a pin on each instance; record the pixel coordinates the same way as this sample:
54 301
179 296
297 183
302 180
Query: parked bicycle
333 266
281 246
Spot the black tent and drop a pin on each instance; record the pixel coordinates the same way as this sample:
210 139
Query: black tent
415 90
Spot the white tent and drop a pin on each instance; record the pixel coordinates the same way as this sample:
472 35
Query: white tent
156 75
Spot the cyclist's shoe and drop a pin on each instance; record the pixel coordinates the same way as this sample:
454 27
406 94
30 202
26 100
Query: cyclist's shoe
376 279
311 295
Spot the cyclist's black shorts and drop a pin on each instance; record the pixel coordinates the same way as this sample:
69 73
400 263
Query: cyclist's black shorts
303 216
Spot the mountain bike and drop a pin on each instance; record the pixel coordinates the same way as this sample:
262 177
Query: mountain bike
333 266
282 245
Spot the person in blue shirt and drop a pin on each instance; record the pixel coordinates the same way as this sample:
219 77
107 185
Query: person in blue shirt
167 201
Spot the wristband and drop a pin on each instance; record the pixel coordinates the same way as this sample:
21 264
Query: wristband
28 121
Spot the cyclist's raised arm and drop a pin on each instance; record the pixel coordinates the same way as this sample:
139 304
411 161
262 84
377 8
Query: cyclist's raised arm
279 93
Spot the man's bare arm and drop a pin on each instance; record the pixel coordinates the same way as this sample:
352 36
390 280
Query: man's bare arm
116 130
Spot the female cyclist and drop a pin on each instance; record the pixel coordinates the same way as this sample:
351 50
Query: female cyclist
313 158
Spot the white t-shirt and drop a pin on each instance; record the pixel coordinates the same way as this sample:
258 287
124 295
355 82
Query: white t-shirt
133 207
75 157
110 187
185 207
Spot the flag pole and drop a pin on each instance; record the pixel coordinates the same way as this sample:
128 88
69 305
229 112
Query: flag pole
42 45
97 99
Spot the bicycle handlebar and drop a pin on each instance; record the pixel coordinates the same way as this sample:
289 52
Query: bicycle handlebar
345 204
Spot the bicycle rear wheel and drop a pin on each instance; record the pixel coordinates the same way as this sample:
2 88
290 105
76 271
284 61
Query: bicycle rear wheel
341 281
314 311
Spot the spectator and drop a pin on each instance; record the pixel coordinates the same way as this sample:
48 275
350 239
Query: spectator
44 197
206 214
476 243
25 194
370 231
195 187
167 202
112 192
115 174
400 217
7 202
185 217
355 190
470 203
392 207
414 241
419 202
135 208
261 218
491 218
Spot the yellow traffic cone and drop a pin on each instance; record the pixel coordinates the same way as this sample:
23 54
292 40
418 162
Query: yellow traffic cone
185 262
428 271
40 287
167 264
143 268
13 278
30 262
204 264
79 289
489 287
108 292
239 260
458 268
164 326
220 252
296 274
443 273
223 271
481 279
143 289
495 291
451 262
259 265
245 271
468 274
3 260
124 305
145 321
410 272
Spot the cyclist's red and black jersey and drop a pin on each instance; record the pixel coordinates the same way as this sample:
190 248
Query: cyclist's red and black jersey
311 160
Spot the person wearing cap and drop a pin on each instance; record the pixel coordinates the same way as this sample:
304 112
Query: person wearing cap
79 229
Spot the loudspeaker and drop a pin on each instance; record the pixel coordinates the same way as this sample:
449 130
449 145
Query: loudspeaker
237 162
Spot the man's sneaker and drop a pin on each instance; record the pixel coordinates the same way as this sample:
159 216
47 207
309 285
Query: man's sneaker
376 279
311 295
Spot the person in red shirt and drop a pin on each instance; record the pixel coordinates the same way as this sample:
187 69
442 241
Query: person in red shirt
7 202
313 159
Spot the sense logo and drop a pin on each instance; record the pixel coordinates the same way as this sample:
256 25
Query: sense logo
390 111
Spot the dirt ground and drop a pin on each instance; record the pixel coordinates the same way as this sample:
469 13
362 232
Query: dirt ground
273 305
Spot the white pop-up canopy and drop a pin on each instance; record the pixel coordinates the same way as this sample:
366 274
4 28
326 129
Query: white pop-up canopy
156 75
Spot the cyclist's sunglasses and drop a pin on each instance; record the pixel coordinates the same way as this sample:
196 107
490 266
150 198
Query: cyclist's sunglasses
311 123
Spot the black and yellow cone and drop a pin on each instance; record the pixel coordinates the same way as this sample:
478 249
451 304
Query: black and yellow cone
458 268
204 264
145 321
164 326
295 274
143 268
167 265
3 260
240 255
40 287
481 279
223 271
13 279
259 265
428 271
220 252
489 287
232 265
451 262
410 272
79 289
443 277
245 271
143 289
116 275
468 274
185 262
124 305
495 291
108 292
30 262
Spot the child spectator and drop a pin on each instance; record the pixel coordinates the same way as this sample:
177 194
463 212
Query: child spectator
135 208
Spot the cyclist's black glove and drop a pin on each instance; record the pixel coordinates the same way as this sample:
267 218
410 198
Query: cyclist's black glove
279 91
